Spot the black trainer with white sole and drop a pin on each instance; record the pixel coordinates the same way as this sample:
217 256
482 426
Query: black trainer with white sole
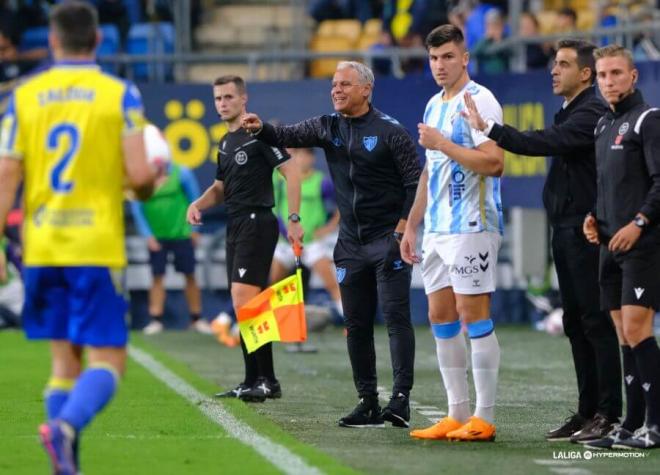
262 390
563 433
397 411
644 439
366 414
616 435
233 393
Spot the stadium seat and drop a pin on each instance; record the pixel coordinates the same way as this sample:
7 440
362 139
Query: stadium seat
151 38
372 27
34 38
367 41
110 44
586 19
349 29
547 19
322 68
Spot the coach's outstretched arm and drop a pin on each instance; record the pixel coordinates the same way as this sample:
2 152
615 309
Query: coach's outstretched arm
409 239
306 134
487 159
577 132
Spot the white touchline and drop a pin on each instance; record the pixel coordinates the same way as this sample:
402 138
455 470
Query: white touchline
276 454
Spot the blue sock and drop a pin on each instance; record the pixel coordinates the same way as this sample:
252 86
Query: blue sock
56 395
92 392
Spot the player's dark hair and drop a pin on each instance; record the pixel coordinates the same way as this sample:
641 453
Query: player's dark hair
238 81
585 54
444 34
75 24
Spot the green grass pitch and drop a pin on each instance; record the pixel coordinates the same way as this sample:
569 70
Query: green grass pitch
150 429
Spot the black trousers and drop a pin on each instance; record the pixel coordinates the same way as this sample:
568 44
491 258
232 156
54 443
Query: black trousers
369 274
590 330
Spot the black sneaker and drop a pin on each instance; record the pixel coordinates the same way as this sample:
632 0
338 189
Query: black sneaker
616 435
262 390
397 411
233 393
596 428
366 414
563 433
644 438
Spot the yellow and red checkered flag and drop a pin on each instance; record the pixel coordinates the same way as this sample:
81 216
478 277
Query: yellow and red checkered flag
276 314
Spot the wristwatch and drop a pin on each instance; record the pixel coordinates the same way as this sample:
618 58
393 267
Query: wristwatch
294 218
640 222
397 236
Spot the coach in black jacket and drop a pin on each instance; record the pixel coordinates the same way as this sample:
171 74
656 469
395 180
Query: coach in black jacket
374 166
626 227
569 193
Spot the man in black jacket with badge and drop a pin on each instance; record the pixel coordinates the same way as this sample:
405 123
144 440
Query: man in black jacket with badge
374 166
568 194
626 227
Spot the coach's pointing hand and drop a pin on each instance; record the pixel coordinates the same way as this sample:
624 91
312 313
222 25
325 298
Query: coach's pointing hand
251 123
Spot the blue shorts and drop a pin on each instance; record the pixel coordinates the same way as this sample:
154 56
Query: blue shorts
84 305
184 256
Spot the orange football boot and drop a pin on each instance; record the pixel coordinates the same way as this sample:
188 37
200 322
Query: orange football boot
437 431
475 430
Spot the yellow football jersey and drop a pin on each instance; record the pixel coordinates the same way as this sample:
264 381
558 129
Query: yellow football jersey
66 125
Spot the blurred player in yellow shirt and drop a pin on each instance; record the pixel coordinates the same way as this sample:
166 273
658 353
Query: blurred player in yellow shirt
73 135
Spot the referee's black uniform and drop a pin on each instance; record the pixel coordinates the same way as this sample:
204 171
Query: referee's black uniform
628 158
374 166
568 195
245 166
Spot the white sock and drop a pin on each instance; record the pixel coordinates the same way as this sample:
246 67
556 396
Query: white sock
339 307
452 361
485 364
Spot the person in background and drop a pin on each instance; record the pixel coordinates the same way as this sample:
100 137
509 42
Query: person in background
316 192
492 63
74 136
161 220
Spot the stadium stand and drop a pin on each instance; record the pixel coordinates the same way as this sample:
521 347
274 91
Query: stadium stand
151 38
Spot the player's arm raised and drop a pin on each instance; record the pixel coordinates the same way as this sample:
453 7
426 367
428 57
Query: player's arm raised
486 159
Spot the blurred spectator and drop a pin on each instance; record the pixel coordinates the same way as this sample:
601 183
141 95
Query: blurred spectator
406 18
13 63
383 66
536 54
646 43
566 20
363 10
492 63
114 12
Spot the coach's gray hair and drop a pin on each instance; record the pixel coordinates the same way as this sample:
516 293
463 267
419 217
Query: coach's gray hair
365 74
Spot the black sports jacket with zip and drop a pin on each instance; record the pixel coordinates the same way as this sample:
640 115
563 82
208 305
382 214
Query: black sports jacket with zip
373 163
628 165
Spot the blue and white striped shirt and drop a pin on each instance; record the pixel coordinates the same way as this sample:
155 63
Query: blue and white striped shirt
460 201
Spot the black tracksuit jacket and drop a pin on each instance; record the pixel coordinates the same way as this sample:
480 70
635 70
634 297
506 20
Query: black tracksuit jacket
628 160
373 163
569 192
